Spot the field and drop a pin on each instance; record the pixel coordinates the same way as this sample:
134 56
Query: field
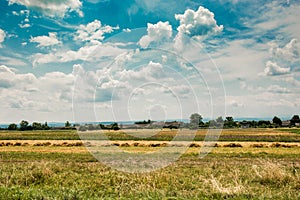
245 164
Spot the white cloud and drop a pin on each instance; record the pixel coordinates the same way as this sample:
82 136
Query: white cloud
278 89
93 31
9 78
91 52
156 33
198 23
273 69
235 103
52 8
150 72
2 36
45 41
12 61
290 52
24 25
127 30
41 97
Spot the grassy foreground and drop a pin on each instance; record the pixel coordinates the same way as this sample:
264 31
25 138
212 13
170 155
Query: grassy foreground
64 171
239 173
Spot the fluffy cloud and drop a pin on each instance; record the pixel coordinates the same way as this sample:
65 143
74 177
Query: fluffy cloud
52 8
2 36
89 52
41 96
290 52
9 78
198 23
156 33
93 31
45 41
273 69
149 72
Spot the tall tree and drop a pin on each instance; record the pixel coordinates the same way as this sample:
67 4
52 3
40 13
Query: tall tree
24 125
295 119
67 124
276 120
195 121
12 127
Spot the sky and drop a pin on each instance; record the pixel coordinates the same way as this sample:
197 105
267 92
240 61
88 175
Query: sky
111 60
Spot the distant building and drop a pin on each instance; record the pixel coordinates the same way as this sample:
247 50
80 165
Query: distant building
286 123
172 125
244 124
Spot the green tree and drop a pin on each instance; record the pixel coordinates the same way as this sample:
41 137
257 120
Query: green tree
295 119
276 120
230 123
37 126
12 127
45 126
24 125
115 127
67 124
195 121
213 123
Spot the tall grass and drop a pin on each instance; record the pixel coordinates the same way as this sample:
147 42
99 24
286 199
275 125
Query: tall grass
78 176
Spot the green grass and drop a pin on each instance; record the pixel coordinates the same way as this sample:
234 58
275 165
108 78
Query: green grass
32 175
70 172
39 135
291 130
231 135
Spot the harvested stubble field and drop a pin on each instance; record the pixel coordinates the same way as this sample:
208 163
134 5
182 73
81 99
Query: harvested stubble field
47 165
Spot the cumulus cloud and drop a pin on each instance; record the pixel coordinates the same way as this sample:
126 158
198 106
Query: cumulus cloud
290 52
93 31
89 52
273 69
45 41
51 92
9 78
2 36
198 23
156 33
149 72
52 8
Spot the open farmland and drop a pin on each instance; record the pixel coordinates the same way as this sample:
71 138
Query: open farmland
48 165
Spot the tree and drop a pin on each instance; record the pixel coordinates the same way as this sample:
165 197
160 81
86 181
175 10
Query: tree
295 119
220 121
24 125
230 123
115 127
12 127
37 126
195 121
213 124
67 124
45 126
276 120
229 119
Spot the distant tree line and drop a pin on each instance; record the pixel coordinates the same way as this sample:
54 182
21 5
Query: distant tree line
144 122
196 122
26 126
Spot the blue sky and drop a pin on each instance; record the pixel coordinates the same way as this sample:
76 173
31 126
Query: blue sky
102 60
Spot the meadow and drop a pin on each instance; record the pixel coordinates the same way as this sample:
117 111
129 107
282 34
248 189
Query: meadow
245 164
